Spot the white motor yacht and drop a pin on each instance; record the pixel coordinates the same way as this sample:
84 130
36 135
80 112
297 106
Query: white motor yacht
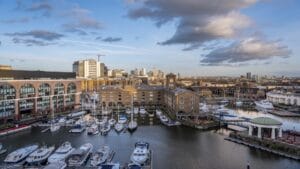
123 119
19 154
141 153
158 113
143 112
56 165
203 107
93 130
128 111
105 129
54 127
61 153
135 111
238 103
62 120
102 122
264 104
164 119
40 155
79 126
79 156
112 122
100 156
119 127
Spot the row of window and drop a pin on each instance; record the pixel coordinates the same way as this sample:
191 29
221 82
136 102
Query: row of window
27 90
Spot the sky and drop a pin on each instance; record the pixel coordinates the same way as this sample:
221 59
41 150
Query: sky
190 37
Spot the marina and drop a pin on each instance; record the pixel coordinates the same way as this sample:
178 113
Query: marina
150 129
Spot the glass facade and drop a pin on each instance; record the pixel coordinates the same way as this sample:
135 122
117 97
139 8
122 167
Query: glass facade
26 102
7 102
70 98
58 98
43 102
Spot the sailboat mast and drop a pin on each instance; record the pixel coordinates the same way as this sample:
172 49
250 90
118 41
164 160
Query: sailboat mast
132 108
118 113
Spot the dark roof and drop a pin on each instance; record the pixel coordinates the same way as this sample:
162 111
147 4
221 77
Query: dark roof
27 74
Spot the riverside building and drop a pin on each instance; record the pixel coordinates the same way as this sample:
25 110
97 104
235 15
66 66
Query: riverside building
30 94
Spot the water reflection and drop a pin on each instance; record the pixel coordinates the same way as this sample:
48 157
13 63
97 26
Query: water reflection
174 148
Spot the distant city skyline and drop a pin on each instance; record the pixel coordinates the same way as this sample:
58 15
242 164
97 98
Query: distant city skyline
192 37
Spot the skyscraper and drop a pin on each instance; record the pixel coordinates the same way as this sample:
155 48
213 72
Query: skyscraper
88 68
248 75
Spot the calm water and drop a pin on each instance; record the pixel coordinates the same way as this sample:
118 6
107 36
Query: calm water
174 148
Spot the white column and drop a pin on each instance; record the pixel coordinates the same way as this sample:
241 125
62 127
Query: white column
259 132
250 130
273 133
280 133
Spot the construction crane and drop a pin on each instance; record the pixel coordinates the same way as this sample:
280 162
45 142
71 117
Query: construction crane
99 56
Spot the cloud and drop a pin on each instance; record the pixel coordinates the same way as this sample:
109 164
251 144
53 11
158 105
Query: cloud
112 39
38 34
75 30
253 48
40 6
31 42
16 20
98 38
80 18
198 21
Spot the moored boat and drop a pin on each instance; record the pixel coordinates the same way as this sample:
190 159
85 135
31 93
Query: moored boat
132 126
238 103
77 129
264 105
54 127
93 130
110 166
143 112
141 153
101 156
135 111
2 150
122 119
79 156
134 166
56 165
112 122
61 153
40 155
119 127
20 154
105 129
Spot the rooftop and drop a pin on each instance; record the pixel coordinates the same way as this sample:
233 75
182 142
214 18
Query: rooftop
265 121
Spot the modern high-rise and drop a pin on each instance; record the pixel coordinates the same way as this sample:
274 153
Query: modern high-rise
89 68
248 75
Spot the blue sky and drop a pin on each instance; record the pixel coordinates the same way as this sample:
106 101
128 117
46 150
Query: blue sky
194 37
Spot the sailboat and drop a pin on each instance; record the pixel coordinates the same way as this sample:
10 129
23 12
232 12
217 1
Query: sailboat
238 102
119 126
54 126
112 121
132 126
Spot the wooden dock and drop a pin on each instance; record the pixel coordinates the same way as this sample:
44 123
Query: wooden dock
262 148
283 113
